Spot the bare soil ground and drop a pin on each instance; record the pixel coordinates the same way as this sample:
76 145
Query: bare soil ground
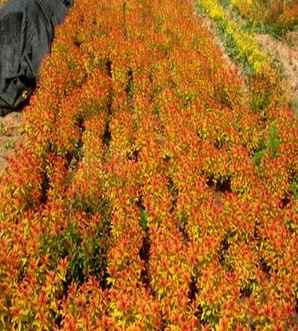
286 51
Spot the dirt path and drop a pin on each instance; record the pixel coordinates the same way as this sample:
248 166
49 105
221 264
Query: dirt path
286 51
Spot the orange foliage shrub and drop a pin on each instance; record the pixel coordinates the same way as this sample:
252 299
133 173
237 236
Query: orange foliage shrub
146 194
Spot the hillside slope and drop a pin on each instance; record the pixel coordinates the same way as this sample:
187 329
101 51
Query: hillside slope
147 194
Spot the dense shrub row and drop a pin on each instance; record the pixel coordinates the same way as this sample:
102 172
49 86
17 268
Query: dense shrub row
147 194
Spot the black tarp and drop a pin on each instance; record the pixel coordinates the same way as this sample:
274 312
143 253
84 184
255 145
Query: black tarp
26 33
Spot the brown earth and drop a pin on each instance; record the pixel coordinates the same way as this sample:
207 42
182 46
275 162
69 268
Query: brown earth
286 52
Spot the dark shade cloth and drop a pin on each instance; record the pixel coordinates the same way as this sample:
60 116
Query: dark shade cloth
26 34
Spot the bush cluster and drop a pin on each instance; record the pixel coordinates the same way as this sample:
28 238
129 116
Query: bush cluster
147 194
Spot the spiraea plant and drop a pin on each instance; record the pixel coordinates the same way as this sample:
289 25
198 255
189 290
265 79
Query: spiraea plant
147 194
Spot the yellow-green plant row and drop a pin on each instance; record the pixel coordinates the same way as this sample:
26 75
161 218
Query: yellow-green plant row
247 48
